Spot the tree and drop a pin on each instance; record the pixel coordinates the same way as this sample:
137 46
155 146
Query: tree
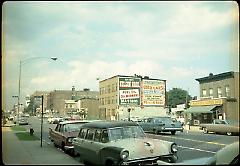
31 107
177 96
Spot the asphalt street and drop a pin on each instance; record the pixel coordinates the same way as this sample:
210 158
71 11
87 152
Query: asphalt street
192 144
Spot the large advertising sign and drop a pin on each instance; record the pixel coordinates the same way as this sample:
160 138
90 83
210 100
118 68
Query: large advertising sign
153 92
129 91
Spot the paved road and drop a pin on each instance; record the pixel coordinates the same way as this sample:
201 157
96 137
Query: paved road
191 145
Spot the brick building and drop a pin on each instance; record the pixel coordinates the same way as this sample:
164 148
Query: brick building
219 98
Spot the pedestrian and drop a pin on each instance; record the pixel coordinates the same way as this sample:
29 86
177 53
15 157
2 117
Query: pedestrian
31 130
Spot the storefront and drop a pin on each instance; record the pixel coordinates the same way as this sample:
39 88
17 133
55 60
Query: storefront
204 111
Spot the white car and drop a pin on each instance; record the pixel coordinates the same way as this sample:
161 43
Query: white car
54 120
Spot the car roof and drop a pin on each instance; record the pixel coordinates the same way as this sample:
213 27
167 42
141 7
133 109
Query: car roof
108 124
74 121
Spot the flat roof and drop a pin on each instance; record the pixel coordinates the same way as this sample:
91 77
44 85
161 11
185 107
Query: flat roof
216 77
141 77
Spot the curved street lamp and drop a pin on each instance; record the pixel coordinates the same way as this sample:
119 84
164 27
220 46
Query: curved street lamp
22 62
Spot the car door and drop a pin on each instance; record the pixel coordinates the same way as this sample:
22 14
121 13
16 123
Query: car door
59 134
94 145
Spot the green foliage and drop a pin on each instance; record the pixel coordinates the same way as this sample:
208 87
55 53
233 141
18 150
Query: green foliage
18 128
31 107
25 136
177 96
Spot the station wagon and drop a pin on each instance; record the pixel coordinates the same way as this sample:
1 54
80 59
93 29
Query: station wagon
121 143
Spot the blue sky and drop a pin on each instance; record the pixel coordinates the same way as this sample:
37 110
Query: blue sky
176 41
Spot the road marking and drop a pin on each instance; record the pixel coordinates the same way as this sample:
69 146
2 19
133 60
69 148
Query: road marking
197 149
195 140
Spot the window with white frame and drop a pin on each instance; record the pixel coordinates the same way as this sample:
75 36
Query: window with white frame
219 90
211 92
204 93
227 90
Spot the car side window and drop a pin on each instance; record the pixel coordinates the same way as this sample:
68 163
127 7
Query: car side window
82 133
90 134
97 135
57 128
62 128
104 137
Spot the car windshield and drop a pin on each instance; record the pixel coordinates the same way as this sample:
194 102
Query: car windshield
73 127
125 132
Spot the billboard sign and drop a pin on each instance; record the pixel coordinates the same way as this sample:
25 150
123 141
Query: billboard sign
129 91
153 92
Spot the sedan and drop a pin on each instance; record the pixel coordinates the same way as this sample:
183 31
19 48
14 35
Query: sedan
221 126
23 121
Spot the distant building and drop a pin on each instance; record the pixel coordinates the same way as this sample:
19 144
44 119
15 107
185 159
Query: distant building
219 98
56 99
123 95
36 96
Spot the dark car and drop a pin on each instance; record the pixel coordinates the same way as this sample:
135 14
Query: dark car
161 124
121 143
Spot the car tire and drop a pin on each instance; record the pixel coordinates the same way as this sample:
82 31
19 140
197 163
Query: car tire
229 133
205 131
55 144
62 146
173 132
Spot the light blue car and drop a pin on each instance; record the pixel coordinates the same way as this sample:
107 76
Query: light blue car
161 124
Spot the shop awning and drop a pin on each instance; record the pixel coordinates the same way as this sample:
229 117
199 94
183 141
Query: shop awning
200 109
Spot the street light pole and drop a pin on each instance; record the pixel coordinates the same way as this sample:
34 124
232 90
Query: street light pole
19 85
42 121
19 79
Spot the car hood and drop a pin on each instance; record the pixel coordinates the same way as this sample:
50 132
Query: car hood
198 161
143 147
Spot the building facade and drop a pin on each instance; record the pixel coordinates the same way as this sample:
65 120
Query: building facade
57 99
219 94
124 96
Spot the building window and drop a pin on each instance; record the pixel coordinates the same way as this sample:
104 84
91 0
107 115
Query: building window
219 90
211 92
113 88
227 90
204 93
109 88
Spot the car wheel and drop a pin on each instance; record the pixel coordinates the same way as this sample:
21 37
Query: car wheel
55 144
229 133
205 131
173 132
62 146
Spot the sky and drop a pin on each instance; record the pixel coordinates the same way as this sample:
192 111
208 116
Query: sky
175 41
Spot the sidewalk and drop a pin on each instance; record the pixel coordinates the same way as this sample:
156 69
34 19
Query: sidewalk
16 152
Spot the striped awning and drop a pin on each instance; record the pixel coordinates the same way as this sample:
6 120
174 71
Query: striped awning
200 109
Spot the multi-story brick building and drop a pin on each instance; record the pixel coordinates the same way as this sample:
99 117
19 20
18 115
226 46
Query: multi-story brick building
219 98
56 98
123 95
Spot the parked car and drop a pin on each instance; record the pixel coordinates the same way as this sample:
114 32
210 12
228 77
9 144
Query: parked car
221 126
229 155
75 117
160 124
121 143
54 120
64 133
23 121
